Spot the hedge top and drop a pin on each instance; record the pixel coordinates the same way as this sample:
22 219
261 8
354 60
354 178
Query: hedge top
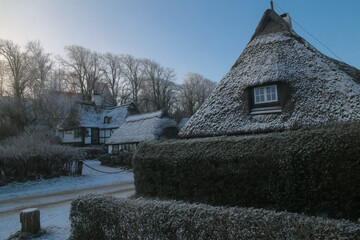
104 217
313 88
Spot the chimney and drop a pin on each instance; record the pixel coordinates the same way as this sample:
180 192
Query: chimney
97 99
287 19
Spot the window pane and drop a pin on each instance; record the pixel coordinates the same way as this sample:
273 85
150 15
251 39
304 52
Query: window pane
268 97
262 98
273 89
261 90
257 99
273 97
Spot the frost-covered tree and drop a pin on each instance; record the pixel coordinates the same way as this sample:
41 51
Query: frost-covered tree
113 72
17 69
194 91
17 65
83 67
40 67
159 87
133 77
2 78
57 81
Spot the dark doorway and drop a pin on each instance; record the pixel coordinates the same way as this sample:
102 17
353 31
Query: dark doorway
94 136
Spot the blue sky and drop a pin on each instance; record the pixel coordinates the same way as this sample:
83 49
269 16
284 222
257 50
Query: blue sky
202 36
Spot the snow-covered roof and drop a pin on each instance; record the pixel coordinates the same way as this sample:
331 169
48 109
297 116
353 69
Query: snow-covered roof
321 89
182 122
88 115
142 127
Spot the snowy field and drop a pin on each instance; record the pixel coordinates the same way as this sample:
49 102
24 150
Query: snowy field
53 198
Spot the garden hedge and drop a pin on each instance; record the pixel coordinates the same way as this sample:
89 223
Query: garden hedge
35 154
314 171
104 217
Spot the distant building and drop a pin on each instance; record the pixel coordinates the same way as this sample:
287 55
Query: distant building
142 127
279 82
88 123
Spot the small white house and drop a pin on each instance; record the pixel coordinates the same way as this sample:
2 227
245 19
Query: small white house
142 127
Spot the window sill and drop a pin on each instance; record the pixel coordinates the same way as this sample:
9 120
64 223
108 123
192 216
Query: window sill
266 110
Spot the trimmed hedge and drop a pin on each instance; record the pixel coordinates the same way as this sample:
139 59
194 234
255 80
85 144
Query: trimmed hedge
104 217
314 171
35 154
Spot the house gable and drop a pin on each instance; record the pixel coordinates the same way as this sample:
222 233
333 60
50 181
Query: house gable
319 89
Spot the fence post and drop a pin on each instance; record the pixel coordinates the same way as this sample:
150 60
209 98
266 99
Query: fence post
79 168
30 220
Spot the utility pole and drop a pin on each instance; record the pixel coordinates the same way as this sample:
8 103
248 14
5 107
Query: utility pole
272 5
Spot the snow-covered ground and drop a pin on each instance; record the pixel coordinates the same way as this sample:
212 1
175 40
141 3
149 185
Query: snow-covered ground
53 198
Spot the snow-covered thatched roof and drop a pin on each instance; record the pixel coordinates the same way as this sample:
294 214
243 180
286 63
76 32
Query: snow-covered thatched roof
183 122
86 114
320 89
142 127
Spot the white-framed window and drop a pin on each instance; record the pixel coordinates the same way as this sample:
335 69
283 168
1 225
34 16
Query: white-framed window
266 94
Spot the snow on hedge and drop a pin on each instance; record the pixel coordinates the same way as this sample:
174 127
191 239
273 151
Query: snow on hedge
104 217
33 154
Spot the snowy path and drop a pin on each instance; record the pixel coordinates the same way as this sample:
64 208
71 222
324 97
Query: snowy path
53 198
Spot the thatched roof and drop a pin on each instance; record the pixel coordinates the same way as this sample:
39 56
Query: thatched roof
183 122
142 127
320 89
86 114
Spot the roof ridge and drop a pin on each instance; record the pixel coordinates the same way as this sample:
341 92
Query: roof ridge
144 116
270 22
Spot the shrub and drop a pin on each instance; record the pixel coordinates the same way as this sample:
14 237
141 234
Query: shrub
119 159
315 171
92 152
35 154
103 217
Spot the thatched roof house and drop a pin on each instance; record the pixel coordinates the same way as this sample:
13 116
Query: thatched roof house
91 124
142 127
279 82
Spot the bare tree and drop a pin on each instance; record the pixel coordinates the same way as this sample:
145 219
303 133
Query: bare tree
159 88
40 67
18 67
133 77
113 75
194 92
84 68
2 78
57 81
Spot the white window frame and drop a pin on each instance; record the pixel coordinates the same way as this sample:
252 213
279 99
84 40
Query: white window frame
265 91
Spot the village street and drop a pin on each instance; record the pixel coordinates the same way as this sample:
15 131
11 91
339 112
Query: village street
53 198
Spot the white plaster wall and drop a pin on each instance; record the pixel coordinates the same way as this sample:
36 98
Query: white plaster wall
69 137
109 148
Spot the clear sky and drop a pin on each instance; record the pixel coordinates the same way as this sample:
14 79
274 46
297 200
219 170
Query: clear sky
202 36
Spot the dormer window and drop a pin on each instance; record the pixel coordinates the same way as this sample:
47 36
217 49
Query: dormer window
267 94
265 99
107 120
